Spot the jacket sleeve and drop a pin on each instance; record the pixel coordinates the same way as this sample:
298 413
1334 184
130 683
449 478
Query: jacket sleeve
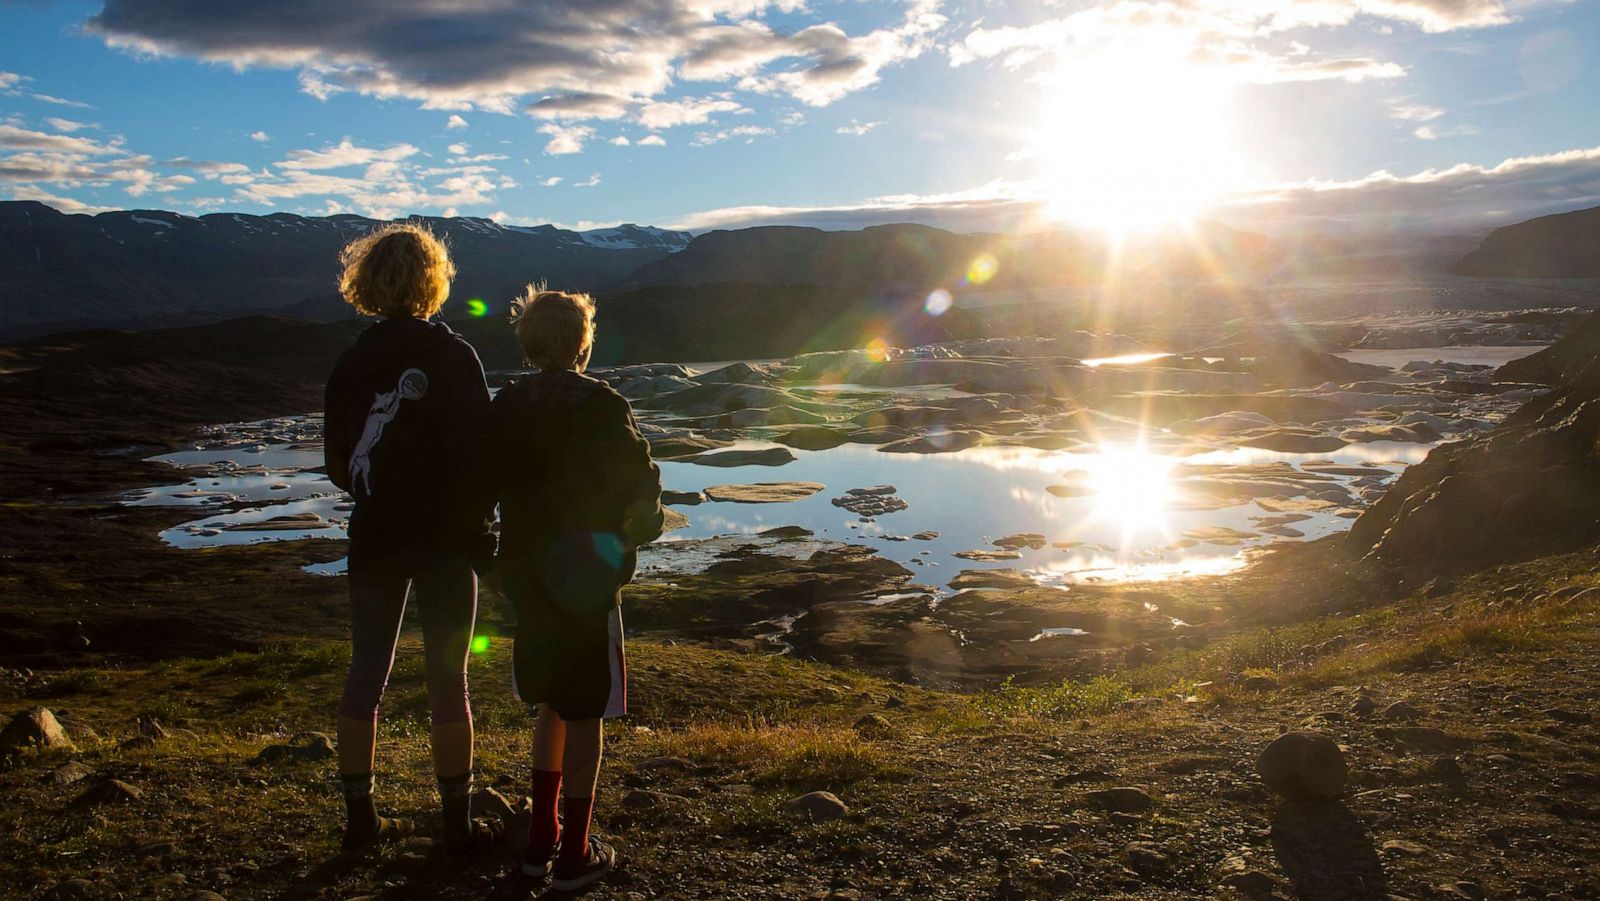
638 478
335 437
469 435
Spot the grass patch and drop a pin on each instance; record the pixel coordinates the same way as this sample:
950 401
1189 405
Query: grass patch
790 754
1067 700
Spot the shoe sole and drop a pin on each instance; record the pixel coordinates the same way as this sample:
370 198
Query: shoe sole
589 878
529 869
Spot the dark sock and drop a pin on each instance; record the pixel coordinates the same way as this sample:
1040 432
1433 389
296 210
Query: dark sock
543 828
455 798
361 813
575 814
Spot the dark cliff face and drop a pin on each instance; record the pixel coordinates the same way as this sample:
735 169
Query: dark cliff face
124 267
1529 487
1561 246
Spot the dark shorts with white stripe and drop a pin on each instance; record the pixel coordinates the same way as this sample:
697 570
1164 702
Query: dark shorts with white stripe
572 661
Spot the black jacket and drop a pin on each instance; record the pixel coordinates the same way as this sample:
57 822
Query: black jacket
407 409
578 491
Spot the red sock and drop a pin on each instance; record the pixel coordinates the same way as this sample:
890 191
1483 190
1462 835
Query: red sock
575 814
543 828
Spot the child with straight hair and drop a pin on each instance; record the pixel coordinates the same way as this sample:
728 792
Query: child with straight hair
578 496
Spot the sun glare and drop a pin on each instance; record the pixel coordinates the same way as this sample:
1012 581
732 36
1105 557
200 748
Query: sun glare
1134 137
1131 486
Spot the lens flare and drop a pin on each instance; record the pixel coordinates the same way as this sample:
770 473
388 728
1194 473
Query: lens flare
477 307
938 303
878 350
480 644
982 269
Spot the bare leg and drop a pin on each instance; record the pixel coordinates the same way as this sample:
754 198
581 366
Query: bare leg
549 740
357 741
581 758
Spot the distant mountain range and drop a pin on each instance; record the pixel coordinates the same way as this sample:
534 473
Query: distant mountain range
144 268
915 259
150 267
1566 245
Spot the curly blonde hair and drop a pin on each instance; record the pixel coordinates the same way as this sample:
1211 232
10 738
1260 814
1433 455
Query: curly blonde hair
398 270
555 328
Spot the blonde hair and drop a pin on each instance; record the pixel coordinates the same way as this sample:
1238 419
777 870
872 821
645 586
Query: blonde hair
400 269
555 328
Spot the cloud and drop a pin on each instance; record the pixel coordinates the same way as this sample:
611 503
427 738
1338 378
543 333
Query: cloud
210 169
15 138
565 139
579 106
1407 111
652 141
64 204
1229 35
620 141
1459 199
260 137
690 111
454 122
748 132
491 54
552 181
589 182
67 125
857 128
345 153
457 149
9 80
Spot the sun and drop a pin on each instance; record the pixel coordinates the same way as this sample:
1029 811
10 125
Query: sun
1134 136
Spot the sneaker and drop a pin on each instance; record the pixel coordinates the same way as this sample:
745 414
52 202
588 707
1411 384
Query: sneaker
537 861
568 875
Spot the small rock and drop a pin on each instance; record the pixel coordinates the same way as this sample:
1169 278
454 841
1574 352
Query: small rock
820 806
487 802
873 724
313 746
149 725
1258 683
111 791
36 727
1401 712
69 773
1145 857
1123 799
1363 705
1400 848
1303 765
663 764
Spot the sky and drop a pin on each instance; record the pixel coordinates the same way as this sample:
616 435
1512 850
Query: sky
1330 116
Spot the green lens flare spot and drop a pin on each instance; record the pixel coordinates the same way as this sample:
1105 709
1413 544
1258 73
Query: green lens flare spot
480 643
477 307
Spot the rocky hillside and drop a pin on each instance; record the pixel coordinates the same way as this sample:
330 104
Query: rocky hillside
134 266
915 259
1566 245
1523 489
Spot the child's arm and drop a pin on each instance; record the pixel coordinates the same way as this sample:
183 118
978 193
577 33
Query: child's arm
638 479
335 441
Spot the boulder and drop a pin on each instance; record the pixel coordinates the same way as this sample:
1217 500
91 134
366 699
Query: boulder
764 492
1521 490
1303 766
683 498
111 791
811 437
36 727
935 443
766 456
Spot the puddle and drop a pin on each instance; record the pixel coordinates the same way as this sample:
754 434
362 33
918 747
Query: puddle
1480 355
1057 632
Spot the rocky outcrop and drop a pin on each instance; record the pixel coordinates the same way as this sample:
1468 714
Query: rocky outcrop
1561 246
1527 488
